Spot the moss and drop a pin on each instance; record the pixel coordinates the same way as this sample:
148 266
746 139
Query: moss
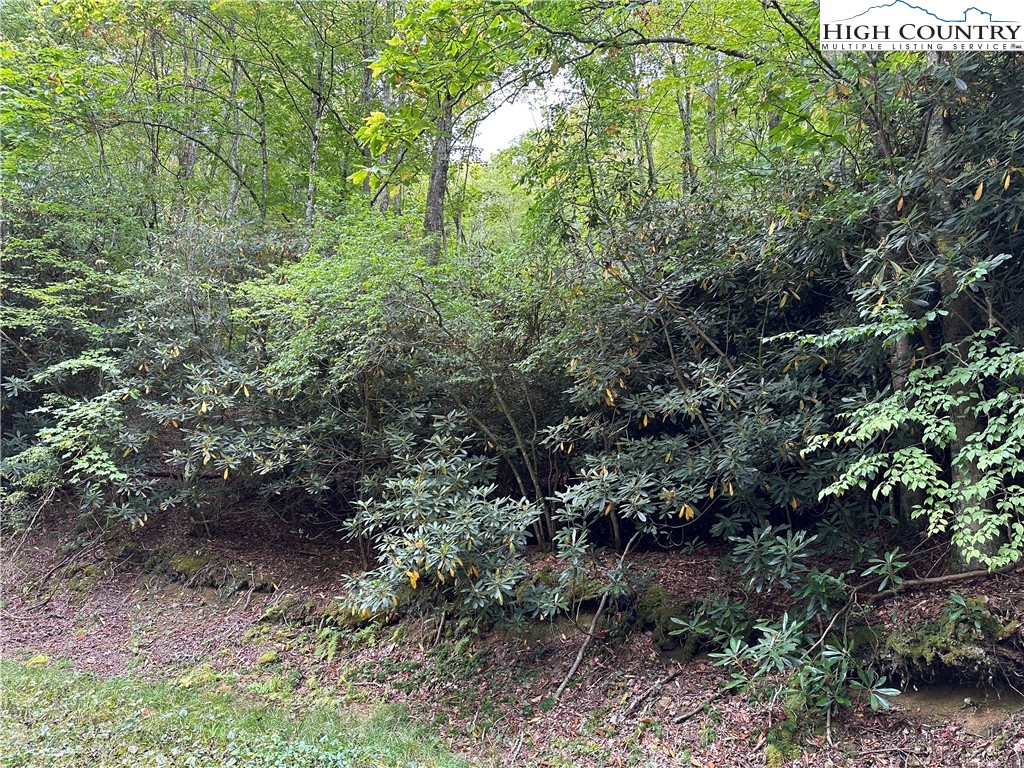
781 742
268 658
1008 630
864 636
545 577
187 567
288 609
654 612
584 589
203 675
957 645
198 570
338 614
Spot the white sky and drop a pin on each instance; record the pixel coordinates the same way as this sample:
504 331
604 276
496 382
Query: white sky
512 119
505 125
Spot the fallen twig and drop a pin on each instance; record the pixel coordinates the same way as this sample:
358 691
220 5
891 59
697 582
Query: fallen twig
947 579
903 750
654 688
593 626
519 746
694 710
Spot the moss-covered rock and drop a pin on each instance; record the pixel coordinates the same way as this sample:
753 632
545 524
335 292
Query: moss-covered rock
962 644
653 612
584 589
268 658
187 567
339 615
200 570
288 609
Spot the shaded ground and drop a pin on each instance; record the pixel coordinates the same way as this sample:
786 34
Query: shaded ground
165 605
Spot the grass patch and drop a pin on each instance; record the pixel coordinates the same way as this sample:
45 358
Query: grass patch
55 717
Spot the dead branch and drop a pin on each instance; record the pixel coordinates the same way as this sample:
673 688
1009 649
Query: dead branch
593 625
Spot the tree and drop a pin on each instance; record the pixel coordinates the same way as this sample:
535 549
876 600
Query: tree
443 62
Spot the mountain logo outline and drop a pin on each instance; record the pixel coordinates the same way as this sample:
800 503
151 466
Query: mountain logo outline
912 7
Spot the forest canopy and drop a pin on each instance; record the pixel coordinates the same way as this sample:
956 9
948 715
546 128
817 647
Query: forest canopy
734 292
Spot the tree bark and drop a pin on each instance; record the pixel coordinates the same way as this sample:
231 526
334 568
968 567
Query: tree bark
437 189
236 139
712 117
317 115
909 501
957 328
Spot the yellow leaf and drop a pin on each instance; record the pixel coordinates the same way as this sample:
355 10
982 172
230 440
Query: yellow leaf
569 450
711 492
771 229
979 190
899 205
668 457
645 420
729 488
794 502
414 576
607 507
225 473
1006 180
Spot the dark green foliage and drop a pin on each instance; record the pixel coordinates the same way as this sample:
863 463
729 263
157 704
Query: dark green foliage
440 529
730 291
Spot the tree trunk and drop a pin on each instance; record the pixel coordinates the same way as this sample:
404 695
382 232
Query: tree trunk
909 501
712 117
957 327
317 114
685 105
236 138
437 189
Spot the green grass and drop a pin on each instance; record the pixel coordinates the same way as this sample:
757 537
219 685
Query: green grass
55 717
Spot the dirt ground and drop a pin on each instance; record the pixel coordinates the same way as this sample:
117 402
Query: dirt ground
160 602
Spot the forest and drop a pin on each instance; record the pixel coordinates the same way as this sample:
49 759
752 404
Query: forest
737 303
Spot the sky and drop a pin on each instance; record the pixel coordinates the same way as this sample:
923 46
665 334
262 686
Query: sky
505 125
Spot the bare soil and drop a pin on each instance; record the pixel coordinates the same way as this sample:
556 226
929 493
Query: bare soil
113 606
